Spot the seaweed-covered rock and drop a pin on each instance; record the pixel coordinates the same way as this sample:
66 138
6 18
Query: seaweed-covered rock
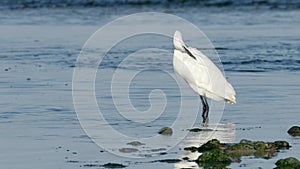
169 161
241 147
257 149
245 141
294 131
199 129
282 145
165 131
259 146
195 130
135 143
211 145
113 165
288 163
191 149
214 158
213 148
128 150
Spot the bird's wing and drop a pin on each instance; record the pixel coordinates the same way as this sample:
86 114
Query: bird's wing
218 84
199 56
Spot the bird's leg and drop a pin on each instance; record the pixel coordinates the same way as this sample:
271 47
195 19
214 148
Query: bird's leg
205 109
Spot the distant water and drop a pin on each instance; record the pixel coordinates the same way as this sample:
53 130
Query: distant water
273 4
258 43
250 40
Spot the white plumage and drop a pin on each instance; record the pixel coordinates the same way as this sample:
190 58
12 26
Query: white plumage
201 74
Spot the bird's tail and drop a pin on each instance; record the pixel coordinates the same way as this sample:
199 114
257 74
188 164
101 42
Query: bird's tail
230 94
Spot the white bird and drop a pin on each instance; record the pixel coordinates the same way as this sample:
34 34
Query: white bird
201 74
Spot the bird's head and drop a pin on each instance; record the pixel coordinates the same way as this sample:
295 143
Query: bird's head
178 42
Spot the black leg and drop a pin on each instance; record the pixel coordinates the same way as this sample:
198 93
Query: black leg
205 109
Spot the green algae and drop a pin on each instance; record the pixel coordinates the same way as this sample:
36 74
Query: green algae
294 131
220 155
214 158
288 163
113 165
166 131
135 143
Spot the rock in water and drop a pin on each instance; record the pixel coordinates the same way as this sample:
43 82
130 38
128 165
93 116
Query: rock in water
220 155
281 145
199 129
135 143
113 165
294 131
214 158
169 161
211 145
288 163
166 131
128 150
195 130
191 149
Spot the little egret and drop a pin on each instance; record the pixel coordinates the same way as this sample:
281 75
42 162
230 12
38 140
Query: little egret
201 74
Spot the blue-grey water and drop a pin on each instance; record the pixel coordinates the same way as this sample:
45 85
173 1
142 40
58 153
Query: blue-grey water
258 43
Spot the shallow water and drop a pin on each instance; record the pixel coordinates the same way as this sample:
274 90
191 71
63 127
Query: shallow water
259 50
